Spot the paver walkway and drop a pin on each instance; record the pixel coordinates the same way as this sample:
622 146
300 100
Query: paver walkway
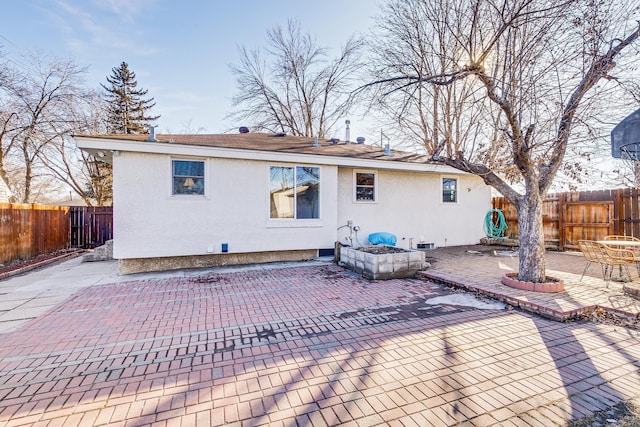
27 296
304 346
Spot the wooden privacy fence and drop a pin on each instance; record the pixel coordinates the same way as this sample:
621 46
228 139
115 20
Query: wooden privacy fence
28 230
588 215
90 226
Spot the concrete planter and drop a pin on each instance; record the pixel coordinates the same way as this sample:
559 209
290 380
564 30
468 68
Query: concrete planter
381 266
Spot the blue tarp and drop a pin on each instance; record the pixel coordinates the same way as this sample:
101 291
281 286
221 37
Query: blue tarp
382 239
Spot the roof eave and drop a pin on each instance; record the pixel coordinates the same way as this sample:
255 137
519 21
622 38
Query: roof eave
104 148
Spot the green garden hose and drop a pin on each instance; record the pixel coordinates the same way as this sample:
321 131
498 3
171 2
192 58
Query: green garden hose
495 229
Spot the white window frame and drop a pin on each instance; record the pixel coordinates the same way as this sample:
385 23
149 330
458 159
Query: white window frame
294 222
205 194
355 186
457 190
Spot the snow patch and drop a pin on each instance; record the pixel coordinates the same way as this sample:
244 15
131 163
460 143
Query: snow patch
466 300
505 253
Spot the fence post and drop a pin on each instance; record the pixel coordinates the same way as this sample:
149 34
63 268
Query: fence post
561 217
634 214
618 212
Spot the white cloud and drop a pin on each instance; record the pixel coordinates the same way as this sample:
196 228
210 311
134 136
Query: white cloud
125 10
88 29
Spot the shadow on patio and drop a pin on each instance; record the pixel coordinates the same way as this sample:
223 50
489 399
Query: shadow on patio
304 346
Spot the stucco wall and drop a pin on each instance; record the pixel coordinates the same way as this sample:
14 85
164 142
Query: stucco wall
150 222
410 206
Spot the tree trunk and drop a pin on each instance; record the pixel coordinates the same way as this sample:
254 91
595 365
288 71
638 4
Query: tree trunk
636 173
27 183
531 265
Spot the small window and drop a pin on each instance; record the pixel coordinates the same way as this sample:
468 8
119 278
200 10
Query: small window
188 177
365 186
294 192
449 190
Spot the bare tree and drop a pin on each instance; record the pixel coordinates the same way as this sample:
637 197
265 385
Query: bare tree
436 118
87 175
5 130
7 119
42 103
292 86
526 72
42 99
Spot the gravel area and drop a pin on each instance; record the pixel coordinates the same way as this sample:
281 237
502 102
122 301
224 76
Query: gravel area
625 414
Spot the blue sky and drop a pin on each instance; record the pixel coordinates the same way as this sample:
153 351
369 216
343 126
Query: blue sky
179 50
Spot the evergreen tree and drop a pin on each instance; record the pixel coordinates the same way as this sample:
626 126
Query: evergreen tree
126 108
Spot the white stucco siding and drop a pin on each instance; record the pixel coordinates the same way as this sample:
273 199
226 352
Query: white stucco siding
409 205
150 222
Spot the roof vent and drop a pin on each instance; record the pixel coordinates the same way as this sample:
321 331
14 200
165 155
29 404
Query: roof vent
281 134
347 132
387 150
243 129
334 140
315 141
152 134
360 140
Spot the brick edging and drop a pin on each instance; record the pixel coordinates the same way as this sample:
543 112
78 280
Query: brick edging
552 285
40 264
549 313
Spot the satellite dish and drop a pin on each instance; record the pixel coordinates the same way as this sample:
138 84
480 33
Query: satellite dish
625 138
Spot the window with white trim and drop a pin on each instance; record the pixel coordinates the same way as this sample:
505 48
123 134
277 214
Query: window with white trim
449 190
365 186
187 177
294 192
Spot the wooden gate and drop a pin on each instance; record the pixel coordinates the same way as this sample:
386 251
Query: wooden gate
90 226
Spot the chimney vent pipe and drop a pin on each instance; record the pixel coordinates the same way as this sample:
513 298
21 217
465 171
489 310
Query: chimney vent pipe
347 135
152 134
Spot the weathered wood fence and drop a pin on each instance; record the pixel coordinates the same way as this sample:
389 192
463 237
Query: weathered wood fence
590 215
29 230
90 226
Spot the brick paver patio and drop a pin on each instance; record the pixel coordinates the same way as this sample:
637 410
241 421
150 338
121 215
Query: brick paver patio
305 346
477 268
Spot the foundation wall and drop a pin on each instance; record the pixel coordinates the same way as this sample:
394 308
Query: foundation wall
142 265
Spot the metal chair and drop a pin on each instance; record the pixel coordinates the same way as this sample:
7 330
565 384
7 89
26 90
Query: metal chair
607 257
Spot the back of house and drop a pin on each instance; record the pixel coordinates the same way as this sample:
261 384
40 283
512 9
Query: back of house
207 200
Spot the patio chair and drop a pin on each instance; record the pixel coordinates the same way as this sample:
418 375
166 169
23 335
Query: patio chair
606 256
635 249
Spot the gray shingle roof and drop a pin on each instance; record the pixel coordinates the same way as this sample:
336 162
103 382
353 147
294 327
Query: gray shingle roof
274 143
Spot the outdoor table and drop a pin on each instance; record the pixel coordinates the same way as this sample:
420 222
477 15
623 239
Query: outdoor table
634 243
